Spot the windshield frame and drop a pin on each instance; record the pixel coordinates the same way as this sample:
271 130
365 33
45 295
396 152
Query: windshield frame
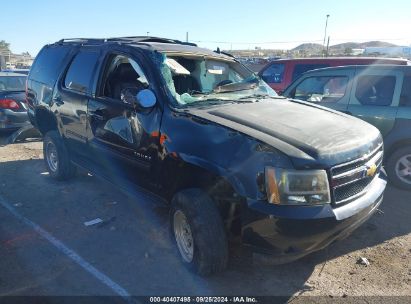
209 98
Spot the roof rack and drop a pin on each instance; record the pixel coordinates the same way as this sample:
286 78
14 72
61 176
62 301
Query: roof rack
82 40
152 39
129 39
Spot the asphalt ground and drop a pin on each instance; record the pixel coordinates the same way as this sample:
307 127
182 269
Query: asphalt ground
47 250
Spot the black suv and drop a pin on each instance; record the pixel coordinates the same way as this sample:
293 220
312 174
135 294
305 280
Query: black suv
200 131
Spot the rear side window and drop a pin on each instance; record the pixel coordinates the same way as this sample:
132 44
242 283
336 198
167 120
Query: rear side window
48 64
321 89
80 72
405 99
274 73
375 90
302 68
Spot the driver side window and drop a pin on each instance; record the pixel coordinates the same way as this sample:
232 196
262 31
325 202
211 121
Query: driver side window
122 73
122 76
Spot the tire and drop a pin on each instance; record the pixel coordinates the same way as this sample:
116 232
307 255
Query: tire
209 248
56 157
399 168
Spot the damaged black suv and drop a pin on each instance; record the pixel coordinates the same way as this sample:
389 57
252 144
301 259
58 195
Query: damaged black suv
197 129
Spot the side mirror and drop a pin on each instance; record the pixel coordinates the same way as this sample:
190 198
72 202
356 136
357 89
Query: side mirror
141 99
146 98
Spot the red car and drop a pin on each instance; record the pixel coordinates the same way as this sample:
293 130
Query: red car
282 72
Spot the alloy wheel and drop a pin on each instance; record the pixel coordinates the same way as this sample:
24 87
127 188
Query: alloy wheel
403 169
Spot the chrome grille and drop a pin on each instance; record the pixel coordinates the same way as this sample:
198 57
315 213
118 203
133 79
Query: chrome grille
350 180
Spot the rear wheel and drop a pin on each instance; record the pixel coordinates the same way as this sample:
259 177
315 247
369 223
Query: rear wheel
198 231
56 157
399 168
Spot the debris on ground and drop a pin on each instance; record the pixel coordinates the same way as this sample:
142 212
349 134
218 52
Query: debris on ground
363 261
93 222
308 287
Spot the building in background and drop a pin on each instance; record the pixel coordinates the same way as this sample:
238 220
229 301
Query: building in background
2 62
8 60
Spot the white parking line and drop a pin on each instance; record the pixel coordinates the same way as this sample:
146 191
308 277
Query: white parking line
68 252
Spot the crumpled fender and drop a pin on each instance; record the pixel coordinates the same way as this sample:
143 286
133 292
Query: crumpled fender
238 158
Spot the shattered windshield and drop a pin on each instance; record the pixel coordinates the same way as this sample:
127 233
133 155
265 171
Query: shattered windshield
198 79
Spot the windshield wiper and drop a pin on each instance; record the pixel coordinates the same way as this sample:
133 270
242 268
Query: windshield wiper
193 92
208 101
246 84
258 95
234 87
254 96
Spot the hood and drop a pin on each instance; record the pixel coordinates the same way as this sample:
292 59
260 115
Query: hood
311 135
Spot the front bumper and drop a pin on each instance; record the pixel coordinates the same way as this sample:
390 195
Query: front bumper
11 120
290 232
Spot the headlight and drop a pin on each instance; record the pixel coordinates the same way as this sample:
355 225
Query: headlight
297 187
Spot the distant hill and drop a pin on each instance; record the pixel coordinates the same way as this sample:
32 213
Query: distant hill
309 47
313 48
362 45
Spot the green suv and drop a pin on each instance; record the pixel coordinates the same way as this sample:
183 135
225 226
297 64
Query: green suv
378 94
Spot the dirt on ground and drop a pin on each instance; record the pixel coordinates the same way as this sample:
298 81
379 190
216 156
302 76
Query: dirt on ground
135 250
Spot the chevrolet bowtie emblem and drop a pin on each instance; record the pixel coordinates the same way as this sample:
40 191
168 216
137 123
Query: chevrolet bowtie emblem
371 170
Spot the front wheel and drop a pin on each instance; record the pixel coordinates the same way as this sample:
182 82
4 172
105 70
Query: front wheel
56 157
198 232
399 168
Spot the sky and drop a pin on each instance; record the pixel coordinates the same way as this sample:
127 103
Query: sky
227 24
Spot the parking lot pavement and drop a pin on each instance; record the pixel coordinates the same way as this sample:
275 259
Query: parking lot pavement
132 248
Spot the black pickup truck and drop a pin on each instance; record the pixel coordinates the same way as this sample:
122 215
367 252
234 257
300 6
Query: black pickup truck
198 130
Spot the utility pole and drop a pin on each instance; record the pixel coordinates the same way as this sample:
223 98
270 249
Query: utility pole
325 30
328 45
148 33
186 36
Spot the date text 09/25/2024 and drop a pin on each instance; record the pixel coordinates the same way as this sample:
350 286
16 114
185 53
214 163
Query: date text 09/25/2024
198 299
